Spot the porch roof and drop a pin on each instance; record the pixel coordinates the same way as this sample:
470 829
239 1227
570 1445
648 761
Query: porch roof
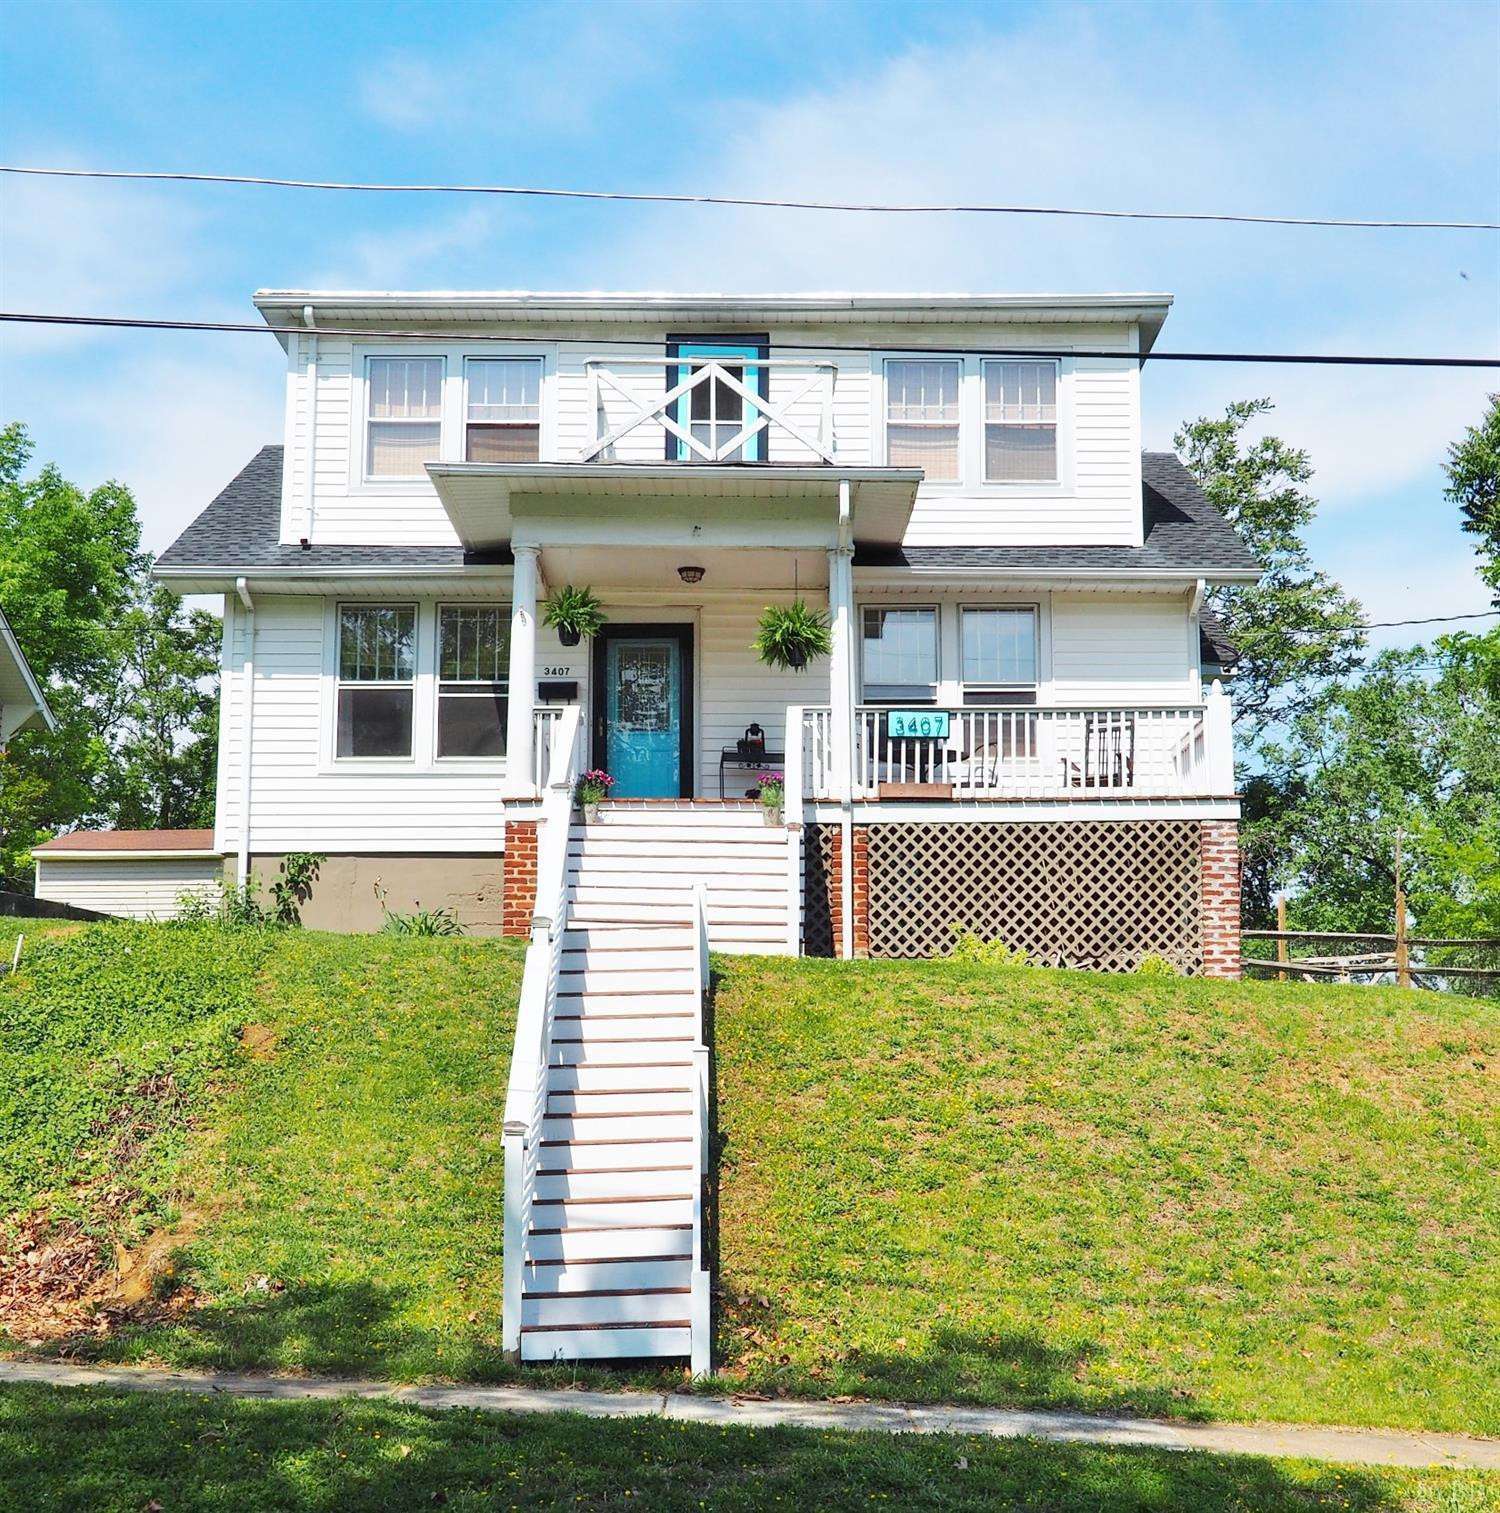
483 500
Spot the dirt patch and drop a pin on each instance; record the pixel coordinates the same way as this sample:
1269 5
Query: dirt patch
57 1281
259 1041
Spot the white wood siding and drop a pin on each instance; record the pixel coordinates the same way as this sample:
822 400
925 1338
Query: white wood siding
1096 502
132 887
303 800
1123 649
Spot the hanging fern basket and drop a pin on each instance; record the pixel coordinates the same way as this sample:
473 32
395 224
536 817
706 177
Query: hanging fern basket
791 635
573 613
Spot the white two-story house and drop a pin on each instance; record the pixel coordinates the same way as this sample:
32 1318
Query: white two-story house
1018 729
957 479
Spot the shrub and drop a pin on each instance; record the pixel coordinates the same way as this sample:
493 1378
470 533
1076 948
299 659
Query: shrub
1151 965
423 922
969 945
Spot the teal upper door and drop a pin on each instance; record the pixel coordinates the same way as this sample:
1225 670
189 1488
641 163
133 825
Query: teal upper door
713 413
644 726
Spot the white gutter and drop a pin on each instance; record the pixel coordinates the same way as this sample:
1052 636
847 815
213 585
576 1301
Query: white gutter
310 345
242 588
55 854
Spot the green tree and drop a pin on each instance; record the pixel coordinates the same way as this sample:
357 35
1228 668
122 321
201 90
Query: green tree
1296 629
129 674
1473 470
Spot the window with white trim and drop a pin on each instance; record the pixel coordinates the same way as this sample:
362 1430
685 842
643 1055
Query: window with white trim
473 694
899 654
1020 421
503 409
997 653
921 417
403 423
376 679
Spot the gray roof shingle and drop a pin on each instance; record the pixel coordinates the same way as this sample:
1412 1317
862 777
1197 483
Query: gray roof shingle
1184 532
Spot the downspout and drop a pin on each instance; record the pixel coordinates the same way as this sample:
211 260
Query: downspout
310 353
1195 635
247 638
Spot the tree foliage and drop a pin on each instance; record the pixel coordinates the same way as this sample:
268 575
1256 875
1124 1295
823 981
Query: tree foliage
1473 470
130 674
1296 629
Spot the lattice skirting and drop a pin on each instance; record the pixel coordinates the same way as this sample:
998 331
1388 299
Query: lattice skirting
1083 893
820 874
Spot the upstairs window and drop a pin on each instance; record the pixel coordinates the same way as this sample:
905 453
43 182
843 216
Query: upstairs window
998 650
921 418
377 679
503 419
473 679
404 424
900 655
1020 422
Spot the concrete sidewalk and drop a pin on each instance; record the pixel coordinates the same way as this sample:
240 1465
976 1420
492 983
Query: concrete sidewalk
1355 1447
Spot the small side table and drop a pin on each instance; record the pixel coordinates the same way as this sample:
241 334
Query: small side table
765 761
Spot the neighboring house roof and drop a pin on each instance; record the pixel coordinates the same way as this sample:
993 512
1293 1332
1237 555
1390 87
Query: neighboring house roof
1185 535
22 701
1215 649
129 843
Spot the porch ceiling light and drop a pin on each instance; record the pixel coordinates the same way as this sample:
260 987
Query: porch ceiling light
691 574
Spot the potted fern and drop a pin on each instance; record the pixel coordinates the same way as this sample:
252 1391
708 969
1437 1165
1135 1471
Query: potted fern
573 613
790 635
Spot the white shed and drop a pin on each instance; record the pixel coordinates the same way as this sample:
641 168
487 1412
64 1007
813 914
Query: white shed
136 874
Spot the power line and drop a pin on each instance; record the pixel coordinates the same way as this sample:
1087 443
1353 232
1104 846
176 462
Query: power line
1324 359
852 206
1483 614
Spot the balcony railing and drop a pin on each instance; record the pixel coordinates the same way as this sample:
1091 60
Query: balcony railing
708 409
1026 752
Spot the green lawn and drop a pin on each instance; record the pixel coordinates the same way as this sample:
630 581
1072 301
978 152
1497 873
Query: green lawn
938 1181
84 1451
1114 1193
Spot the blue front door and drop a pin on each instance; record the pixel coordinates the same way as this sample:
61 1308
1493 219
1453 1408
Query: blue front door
644 725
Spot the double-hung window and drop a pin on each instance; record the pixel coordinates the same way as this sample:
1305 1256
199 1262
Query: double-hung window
376 679
473 679
1020 422
998 653
503 415
404 424
921 417
899 655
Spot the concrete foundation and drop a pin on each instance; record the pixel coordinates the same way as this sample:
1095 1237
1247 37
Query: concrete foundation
344 898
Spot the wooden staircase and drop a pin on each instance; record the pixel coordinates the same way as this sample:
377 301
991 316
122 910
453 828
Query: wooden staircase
640 862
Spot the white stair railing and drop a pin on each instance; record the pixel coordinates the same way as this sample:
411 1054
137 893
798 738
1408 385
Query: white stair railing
701 1299
526 1092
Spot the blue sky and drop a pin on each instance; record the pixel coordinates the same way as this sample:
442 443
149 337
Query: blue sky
1307 109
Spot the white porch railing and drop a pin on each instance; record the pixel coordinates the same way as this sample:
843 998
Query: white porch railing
1031 752
715 411
526 1092
701 1298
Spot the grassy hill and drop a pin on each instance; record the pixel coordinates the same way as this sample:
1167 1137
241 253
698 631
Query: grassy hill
937 1180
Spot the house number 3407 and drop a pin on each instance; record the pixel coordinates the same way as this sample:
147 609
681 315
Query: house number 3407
556 672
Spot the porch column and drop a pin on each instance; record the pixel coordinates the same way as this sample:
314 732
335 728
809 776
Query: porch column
520 722
841 731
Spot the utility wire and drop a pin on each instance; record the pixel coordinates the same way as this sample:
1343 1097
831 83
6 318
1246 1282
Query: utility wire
451 334
1483 614
861 207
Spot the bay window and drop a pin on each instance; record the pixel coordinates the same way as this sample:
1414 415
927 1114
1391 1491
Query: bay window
473 679
998 653
899 654
376 679
403 423
503 409
921 417
1020 422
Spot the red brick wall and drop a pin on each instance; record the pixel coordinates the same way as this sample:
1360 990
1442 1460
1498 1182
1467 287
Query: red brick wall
1221 898
861 881
518 875
861 884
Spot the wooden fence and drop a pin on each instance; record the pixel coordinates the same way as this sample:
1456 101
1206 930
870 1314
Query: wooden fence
1408 960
